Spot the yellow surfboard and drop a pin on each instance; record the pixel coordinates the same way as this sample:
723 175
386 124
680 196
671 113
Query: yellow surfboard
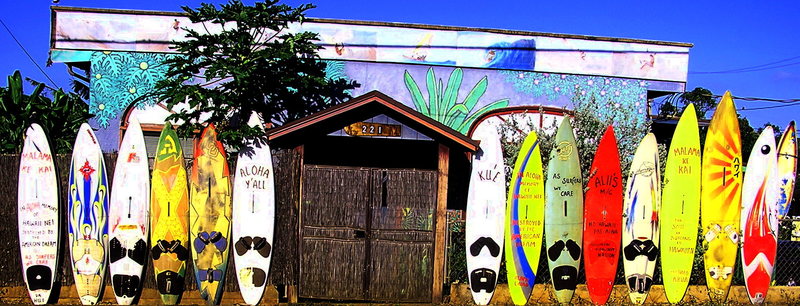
721 198
680 206
169 217
524 220
210 215
787 169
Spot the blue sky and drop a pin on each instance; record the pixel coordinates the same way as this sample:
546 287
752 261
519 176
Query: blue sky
727 36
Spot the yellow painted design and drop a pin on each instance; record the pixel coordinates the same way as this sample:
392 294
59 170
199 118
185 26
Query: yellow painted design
169 206
721 198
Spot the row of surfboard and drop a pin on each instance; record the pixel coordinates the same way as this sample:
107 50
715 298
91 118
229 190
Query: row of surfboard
166 215
640 222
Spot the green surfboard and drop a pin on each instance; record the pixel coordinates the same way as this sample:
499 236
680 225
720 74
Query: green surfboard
564 213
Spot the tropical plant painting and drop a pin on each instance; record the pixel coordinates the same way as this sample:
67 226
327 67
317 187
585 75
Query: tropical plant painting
443 104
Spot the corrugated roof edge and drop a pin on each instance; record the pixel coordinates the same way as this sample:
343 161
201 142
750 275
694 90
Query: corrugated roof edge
400 25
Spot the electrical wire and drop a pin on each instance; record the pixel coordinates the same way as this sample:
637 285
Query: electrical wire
761 67
28 54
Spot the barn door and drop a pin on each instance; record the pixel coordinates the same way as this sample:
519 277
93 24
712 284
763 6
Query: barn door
401 235
334 227
386 257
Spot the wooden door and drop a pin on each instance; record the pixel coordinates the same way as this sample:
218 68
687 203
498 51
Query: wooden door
401 235
386 257
333 232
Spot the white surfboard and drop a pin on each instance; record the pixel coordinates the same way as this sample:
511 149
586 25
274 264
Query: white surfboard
759 218
485 215
129 216
37 198
87 215
640 226
253 218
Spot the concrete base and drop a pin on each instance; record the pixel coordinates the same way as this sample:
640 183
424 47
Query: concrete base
543 294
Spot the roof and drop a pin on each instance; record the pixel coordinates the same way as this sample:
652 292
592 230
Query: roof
364 107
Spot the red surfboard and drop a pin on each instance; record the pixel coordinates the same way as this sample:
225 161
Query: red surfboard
602 221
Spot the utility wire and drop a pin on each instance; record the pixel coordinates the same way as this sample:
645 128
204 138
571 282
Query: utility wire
769 107
761 67
28 54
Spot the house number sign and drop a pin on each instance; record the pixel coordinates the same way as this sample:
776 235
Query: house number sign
372 129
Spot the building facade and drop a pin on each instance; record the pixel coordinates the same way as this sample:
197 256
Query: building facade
428 68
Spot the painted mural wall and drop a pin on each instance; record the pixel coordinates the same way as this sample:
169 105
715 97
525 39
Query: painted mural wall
453 75
109 30
454 96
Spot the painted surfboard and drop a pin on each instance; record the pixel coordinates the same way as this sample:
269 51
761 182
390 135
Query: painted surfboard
253 218
720 198
680 206
169 217
129 216
564 212
87 211
37 200
524 220
760 216
603 219
640 228
485 215
787 169
210 215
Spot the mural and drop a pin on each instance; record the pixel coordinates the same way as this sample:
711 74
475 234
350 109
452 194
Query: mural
119 78
398 43
478 70
441 104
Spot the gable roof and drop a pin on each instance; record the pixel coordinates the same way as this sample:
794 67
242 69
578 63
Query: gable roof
364 107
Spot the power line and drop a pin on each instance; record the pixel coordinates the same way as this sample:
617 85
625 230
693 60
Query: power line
28 54
769 107
761 67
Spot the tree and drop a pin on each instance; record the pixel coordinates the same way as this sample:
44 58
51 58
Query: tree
60 116
674 105
253 63
749 137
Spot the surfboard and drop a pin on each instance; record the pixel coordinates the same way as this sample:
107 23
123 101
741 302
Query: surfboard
129 216
640 228
603 219
720 198
169 217
37 210
564 213
87 212
787 169
253 218
680 206
524 220
760 216
210 215
485 215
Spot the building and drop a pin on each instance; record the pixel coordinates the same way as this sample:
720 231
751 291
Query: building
421 73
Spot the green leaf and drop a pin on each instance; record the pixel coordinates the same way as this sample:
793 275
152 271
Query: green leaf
451 91
464 127
416 95
476 93
455 110
433 95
